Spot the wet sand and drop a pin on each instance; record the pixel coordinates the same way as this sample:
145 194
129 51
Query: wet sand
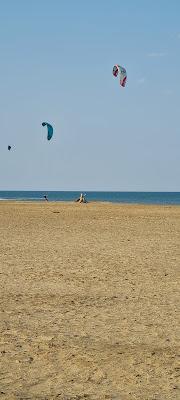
89 301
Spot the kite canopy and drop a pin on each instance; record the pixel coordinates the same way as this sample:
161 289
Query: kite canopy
118 70
9 147
49 130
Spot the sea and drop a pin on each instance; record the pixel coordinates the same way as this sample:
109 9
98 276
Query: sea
164 198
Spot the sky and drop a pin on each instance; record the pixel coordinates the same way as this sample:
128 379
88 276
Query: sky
56 66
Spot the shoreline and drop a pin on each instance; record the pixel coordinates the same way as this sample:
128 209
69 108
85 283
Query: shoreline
137 198
64 202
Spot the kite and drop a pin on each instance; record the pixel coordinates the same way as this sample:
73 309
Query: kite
49 130
118 70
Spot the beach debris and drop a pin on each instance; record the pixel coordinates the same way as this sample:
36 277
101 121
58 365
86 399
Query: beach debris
118 70
9 147
49 130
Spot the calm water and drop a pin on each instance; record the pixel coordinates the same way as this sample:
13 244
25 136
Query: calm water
115 197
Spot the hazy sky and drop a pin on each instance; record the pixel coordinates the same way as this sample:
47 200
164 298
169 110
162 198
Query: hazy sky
56 66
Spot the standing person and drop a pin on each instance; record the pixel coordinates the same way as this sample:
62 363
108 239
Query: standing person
81 199
45 198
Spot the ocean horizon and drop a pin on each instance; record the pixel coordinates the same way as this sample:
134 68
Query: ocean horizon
164 198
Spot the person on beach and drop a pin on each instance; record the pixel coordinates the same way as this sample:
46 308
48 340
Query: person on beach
81 199
45 198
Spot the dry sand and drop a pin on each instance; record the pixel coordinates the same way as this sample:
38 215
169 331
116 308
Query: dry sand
89 301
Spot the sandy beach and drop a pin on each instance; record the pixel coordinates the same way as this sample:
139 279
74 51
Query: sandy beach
89 301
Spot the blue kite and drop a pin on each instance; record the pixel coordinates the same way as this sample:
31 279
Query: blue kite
49 130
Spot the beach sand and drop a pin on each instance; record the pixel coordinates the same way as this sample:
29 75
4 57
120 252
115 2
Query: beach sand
89 301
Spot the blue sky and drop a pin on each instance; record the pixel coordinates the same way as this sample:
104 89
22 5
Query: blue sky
56 66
